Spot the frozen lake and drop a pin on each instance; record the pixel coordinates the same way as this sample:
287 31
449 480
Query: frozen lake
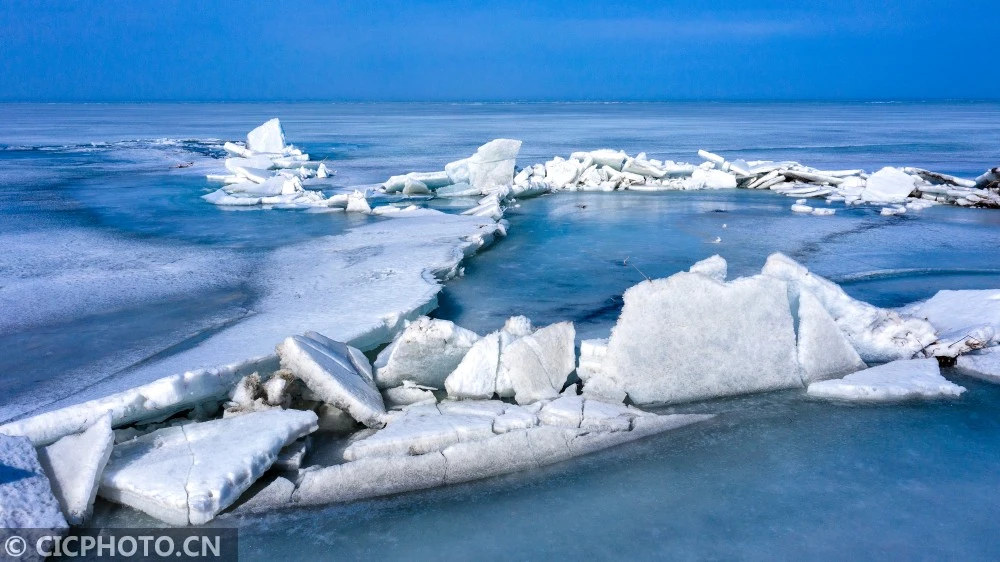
113 261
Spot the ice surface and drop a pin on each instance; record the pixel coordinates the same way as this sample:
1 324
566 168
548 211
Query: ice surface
268 138
74 465
26 500
425 352
476 375
565 411
275 494
898 380
332 375
878 335
888 185
407 394
984 364
159 398
689 337
964 319
537 365
188 474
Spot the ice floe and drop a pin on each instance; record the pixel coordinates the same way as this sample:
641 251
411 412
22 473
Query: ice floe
74 465
898 380
984 364
188 474
26 500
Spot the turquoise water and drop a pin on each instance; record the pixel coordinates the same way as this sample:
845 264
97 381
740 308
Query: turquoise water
112 259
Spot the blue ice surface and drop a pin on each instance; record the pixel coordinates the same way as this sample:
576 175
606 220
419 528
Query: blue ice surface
95 217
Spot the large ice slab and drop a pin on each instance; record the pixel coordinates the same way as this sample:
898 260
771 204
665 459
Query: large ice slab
888 185
964 320
478 375
332 372
187 474
492 165
425 352
159 398
898 380
26 500
268 138
416 433
823 350
74 465
878 335
689 337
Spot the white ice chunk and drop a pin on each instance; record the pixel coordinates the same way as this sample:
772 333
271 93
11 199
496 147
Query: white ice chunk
332 372
74 465
407 394
714 267
488 408
276 494
878 335
898 380
513 418
602 416
592 354
690 337
493 164
187 474
462 189
269 138
476 374
823 350
561 173
538 364
426 352
26 500
964 320
290 458
159 398
888 185
714 179
357 203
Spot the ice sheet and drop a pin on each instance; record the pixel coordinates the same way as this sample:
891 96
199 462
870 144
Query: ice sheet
898 380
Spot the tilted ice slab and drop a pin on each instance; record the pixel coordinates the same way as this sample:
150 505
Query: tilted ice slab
157 399
877 334
268 138
888 185
984 364
188 474
823 350
512 451
898 380
358 287
689 337
74 465
538 364
426 352
336 374
26 500
964 319
477 375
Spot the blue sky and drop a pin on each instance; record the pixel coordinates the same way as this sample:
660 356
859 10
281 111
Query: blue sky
92 50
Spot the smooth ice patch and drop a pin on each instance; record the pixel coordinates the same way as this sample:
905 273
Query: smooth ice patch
898 380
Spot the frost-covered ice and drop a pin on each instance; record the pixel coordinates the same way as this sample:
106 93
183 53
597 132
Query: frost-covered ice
26 500
425 352
267 138
336 374
888 185
898 380
74 465
965 320
415 432
188 474
689 337
538 364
